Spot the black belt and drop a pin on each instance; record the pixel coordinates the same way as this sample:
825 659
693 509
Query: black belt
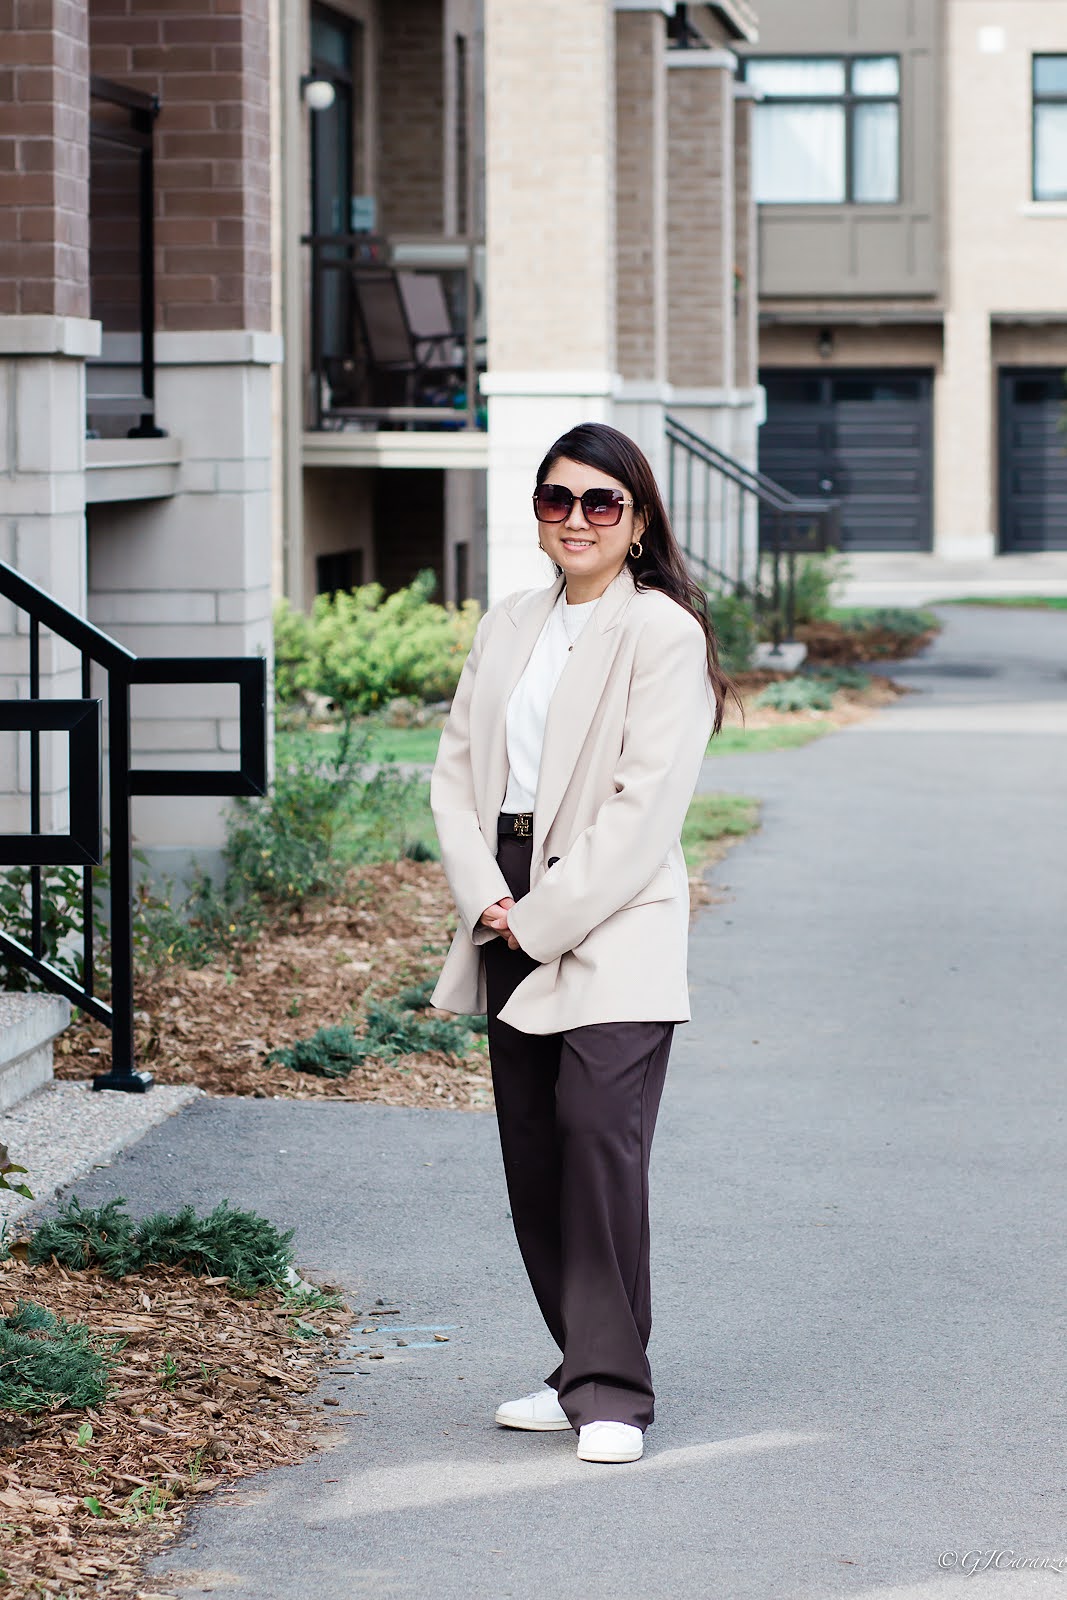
519 823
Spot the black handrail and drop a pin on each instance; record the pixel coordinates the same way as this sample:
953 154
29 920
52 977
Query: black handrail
796 523
83 844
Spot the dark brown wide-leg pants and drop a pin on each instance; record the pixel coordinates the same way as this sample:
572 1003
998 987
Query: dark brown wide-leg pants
576 1112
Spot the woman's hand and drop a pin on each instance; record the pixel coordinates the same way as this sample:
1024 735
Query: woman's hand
496 916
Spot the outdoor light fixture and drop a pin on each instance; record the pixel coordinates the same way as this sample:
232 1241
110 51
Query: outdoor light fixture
826 343
319 93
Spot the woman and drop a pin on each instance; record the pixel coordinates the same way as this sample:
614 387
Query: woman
562 779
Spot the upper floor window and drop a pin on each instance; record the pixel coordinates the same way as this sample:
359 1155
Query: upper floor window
827 129
1050 127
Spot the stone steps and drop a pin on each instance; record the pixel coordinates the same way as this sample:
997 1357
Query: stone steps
29 1023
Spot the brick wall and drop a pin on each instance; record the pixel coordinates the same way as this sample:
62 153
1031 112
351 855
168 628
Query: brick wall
208 61
641 177
44 164
700 226
411 119
745 249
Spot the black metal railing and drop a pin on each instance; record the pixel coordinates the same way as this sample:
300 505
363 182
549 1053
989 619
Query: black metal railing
394 332
122 383
727 516
85 721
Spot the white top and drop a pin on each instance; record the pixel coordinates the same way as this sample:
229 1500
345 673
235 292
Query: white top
528 703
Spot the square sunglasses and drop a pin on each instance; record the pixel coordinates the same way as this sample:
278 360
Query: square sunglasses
602 508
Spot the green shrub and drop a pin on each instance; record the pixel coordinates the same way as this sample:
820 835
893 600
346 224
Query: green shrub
817 578
239 1245
840 677
195 929
7 1167
362 648
334 1052
735 628
320 816
904 620
47 1361
796 694
61 920
292 651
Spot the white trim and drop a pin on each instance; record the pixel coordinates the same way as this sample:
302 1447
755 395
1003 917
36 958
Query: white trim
467 449
638 391
235 347
131 469
1044 208
702 58
49 336
714 397
543 383
746 91
666 6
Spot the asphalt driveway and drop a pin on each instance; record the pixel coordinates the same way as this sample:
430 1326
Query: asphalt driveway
858 1209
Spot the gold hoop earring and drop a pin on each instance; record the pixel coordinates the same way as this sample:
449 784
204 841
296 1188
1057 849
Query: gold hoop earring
636 554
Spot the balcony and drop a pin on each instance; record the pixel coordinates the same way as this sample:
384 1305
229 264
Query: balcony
396 345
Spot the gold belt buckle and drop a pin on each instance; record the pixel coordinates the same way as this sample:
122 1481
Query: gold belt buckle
523 824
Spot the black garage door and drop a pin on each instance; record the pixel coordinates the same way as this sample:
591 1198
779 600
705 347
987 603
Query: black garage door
1033 459
862 436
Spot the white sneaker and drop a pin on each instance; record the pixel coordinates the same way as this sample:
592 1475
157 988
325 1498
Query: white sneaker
540 1412
610 1441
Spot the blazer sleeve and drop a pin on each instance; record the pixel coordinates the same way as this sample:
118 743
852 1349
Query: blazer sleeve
474 877
670 713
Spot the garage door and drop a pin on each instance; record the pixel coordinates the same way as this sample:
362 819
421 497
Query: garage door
1033 459
862 436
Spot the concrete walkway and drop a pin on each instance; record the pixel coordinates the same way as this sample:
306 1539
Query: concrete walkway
858 1209
906 579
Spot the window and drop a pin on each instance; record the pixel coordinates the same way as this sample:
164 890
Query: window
1050 127
827 129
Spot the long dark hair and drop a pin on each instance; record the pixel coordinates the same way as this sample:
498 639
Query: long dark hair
661 564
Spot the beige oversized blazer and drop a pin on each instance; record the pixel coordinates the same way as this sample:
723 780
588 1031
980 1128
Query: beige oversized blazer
607 913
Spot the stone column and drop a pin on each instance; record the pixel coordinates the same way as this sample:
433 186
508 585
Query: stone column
550 293
45 335
965 439
641 223
710 517
700 221
746 259
190 574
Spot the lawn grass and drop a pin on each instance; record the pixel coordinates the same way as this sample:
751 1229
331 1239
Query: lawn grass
1021 602
418 746
711 818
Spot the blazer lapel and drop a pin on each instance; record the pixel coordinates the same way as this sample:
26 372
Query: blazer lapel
574 702
571 709
499 670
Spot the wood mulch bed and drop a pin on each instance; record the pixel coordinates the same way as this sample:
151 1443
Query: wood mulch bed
850 705
215 1026
209 1388
830 644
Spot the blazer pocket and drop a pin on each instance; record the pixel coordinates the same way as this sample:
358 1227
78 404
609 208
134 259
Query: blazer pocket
659 887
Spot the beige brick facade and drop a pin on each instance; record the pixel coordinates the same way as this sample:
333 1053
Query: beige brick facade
550 185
